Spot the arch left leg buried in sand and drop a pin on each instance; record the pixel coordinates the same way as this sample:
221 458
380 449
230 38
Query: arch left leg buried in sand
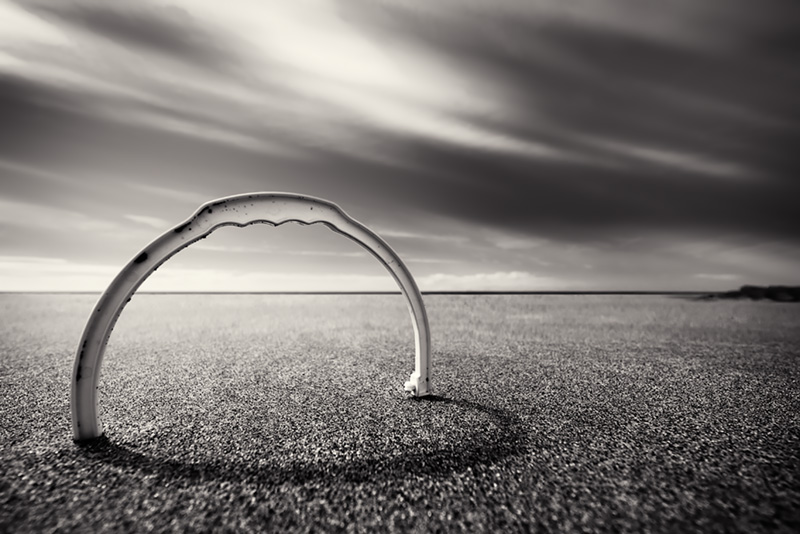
239 210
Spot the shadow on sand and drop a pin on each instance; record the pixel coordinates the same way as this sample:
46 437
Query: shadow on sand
483 447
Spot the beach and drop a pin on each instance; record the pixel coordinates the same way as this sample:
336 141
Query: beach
287 413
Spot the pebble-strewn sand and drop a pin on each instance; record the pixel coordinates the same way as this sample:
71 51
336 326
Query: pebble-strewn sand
274 413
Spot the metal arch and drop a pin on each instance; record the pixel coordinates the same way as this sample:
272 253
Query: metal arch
238 210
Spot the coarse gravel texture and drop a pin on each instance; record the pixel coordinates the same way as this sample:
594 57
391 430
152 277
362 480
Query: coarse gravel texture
238 413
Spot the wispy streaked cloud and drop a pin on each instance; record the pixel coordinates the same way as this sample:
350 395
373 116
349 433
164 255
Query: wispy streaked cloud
429 260
185 196
487 141
23 215
685 161
52 274
399 234
170 31
717 276
153 222
497 281
234 249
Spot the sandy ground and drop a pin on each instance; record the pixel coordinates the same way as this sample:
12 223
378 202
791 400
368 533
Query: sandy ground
255 413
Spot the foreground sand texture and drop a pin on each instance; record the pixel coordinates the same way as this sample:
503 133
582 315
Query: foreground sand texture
254 412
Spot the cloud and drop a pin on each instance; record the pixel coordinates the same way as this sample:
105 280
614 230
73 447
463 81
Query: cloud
18 273
717 276
497 281
168 31
273 251
400 234
24 215
152 222
473 133
430 260
176 279
237 249
684 161
507 241
24 273
661 129
186 196
57 274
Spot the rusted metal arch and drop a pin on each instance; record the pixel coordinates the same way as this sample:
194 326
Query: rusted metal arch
239 210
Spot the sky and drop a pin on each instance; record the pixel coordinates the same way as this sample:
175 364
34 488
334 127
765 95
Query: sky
544 145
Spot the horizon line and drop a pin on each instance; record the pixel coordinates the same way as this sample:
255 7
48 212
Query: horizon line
548 292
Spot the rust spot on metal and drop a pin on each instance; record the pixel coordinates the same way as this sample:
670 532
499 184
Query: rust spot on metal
181 228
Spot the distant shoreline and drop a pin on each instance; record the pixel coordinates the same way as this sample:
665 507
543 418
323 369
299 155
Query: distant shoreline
776 293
